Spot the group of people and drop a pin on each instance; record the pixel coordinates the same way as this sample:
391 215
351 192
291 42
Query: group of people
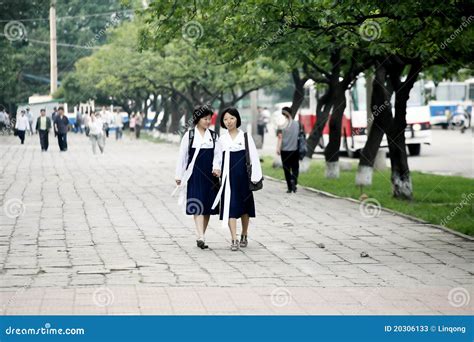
59 122
136 123
217 175
95 125
5 120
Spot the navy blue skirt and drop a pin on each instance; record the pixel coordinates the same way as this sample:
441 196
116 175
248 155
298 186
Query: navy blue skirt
241 198
202 186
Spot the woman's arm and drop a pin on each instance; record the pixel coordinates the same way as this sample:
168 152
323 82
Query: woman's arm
254 160
280 138
182 158
217 161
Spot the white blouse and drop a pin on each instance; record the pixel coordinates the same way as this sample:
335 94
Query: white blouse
198 142
227 144
183 170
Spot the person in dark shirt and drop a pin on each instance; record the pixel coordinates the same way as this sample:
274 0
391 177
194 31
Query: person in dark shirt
61 127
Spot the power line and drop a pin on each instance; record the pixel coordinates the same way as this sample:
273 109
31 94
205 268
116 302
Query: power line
59 44
70 16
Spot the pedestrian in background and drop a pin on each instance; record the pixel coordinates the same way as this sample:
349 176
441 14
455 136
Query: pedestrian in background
78 123
61 127
287 148
118 123
138 124
3 119
43 125
132 123
22 125
29 115
54 114
97 133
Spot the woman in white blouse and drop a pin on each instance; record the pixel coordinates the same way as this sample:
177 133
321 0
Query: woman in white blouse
234 194
197 181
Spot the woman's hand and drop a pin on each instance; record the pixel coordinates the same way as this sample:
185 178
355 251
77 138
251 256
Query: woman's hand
178 181
216 173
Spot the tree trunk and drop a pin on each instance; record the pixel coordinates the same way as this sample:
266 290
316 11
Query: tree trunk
162 127
298 93
401 180
381 113
175 114
331 152
157 112
322 115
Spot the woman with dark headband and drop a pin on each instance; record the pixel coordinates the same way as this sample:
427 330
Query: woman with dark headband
196 179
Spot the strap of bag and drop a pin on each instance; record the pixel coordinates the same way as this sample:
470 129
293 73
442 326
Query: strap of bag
190 144
247 155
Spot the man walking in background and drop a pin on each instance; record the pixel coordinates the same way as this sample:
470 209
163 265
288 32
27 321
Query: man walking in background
21 126
61 127
118 122
287 148
43 125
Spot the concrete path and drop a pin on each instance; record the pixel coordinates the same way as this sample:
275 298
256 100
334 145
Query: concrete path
100 234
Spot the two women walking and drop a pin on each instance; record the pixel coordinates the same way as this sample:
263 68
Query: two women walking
215 175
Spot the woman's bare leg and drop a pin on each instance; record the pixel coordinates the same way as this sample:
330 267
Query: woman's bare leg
245 224
199 221
233 228
206 222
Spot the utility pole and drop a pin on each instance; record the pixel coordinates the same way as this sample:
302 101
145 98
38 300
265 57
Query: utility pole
52 48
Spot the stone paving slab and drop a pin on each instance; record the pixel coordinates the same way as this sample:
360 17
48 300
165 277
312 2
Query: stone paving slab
75 227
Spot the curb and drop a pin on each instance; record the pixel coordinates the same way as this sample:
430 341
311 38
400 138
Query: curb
412 218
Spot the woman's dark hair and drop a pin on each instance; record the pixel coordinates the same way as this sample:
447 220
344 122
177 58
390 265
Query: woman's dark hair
232 111
201 112
286 109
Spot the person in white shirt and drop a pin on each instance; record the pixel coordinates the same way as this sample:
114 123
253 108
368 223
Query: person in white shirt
197 181
3 119
96 132
22 125
29 115
118 123
234 195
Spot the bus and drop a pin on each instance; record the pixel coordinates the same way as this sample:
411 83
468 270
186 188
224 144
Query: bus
449 98
354 121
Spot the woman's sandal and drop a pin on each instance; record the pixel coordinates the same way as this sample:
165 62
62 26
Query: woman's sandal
243 241
234 246
201 244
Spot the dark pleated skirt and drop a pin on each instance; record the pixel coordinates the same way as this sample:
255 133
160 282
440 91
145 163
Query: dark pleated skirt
241 198
202 186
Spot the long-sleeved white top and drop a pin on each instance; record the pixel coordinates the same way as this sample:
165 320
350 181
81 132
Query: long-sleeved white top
183 171
96 126
228 145
22 123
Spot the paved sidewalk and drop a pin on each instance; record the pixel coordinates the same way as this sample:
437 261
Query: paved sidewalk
100 234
